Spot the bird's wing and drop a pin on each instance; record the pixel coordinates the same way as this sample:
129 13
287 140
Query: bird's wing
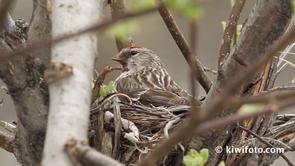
154 86
162 90
159 97
178 90
166 83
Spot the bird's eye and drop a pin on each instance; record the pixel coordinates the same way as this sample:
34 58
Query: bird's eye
133 52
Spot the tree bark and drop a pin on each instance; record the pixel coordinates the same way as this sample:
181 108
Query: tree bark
29 93
265 24
70 96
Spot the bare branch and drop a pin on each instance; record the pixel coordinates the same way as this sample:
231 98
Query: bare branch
5 20
267 143
70 97
29 94
227 120
183 45
210 108
40 28
280 89
230 30
266 23
88 156
262 98
193 65
118 127
7 136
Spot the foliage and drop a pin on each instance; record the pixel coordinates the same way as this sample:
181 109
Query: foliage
189 8
250 108
221 163
142 4
107 89
123 29
194 158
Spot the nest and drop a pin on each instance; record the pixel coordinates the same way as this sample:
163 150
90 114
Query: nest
141 127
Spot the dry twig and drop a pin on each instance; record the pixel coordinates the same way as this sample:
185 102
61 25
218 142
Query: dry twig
7 136
267 143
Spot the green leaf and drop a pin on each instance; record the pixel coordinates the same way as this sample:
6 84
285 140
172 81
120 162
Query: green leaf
221 163
142 4
250 108
194 153
107 89
188 8
122 30
171 3
204 155
194 158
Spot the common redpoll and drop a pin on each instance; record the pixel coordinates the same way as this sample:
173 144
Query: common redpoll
147 80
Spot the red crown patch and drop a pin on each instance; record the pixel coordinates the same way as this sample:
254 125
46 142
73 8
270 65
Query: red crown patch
135 47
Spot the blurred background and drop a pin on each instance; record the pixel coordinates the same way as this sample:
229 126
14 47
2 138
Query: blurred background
154 35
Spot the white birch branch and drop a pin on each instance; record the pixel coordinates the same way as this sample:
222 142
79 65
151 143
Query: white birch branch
70 97
80 153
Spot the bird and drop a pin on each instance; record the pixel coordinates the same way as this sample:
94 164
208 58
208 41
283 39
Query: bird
146 80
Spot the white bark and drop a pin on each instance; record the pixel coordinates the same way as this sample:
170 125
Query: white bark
70 97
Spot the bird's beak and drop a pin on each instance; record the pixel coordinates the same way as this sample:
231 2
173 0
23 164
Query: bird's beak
116 58
119 59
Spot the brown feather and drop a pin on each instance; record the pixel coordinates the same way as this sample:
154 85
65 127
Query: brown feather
148 81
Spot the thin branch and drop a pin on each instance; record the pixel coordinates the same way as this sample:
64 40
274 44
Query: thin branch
168 126
4 16
231 119
118 127
6 56
230 30
267 143
183 45
118 8
280 89
87 155
278 45
7 136
207 69
193 65
210 109
6 141
262 98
